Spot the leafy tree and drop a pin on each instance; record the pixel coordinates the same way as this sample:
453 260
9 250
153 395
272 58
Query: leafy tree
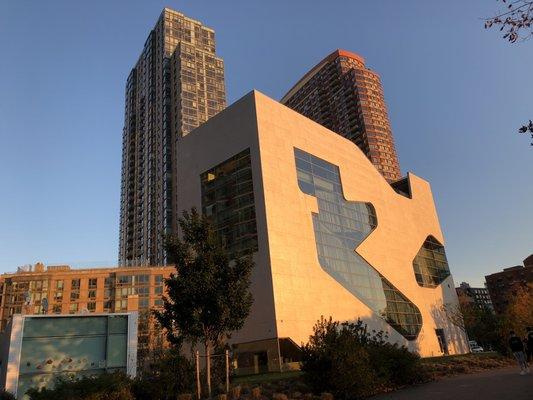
519 312
208 297
490 329
481 324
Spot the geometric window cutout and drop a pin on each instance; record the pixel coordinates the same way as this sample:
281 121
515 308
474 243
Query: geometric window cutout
340 227
430 264
228 202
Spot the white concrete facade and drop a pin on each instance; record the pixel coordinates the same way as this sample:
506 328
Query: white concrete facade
291 290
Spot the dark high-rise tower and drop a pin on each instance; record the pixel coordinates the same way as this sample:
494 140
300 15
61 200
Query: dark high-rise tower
343 95
176 85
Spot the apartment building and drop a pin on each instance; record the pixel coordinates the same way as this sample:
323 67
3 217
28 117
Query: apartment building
344 95
60 289
176 85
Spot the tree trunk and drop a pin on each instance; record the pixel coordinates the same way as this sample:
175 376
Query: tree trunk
198 385
208 368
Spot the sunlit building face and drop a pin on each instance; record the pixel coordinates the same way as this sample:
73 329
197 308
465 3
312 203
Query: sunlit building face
330 236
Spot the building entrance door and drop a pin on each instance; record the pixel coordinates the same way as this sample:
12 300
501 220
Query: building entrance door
443 343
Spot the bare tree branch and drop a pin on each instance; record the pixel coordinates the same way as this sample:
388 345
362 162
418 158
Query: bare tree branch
528 128
516 22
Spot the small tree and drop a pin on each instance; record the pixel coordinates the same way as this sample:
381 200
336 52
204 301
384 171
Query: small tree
519 312
481 324
208 297
453 313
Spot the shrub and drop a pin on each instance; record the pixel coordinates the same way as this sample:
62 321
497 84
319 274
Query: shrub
396 365
168 376
6 395
350 362
106 386
163 379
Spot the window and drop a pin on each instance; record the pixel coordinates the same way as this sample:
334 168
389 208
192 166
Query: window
92 294
56 308
121 305
59 284
125 280
74 295
125 292
75 284
158 279
73 308
91 307
340 227
158 302
158 290
58 296
430 264
93 282
228 200
143 303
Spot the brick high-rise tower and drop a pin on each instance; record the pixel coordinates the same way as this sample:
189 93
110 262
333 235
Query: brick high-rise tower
176 85
343 95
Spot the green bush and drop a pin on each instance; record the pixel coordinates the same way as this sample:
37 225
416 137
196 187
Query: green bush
6 395
169 375
164 379
350 362
107 386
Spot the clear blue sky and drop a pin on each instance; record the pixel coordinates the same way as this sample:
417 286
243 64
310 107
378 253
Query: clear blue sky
456 94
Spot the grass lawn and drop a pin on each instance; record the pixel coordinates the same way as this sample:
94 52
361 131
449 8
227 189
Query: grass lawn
470 356
437 367
267 377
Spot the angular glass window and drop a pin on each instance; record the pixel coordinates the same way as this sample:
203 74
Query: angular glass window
340 227
430 264
228 200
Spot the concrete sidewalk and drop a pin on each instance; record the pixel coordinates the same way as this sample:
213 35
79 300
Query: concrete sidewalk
499 384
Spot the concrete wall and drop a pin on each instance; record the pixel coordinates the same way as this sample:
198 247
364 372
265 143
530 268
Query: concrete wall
223 136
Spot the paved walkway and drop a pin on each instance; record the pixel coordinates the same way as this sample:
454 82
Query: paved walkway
500 384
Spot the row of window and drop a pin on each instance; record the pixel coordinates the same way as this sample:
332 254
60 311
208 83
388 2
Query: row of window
42 285
228 200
